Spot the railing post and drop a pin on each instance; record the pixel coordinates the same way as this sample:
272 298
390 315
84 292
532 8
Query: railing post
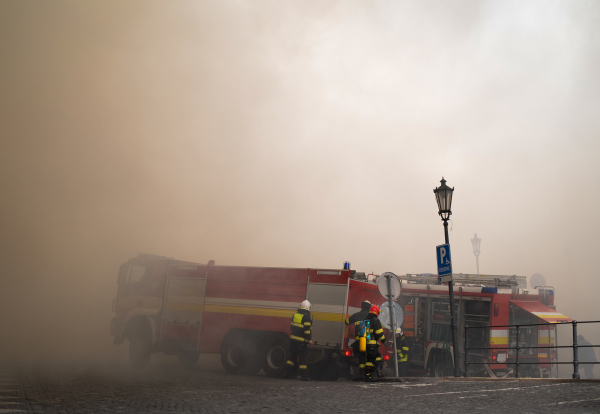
575 353
517 357
466 351
556 346
549 353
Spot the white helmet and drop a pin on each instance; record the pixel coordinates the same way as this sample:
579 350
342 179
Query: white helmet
398 331
305 305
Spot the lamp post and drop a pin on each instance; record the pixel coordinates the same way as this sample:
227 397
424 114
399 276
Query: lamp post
476 242
443 196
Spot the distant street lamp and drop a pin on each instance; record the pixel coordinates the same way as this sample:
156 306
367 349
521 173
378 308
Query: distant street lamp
476 242
443 195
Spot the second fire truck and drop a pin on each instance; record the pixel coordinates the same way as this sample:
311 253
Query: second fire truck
480 301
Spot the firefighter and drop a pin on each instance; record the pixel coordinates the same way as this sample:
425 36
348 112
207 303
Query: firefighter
586 354
376 331
355 319
300 338
361 315
402 350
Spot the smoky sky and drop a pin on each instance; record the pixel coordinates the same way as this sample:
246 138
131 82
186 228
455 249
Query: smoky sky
296 134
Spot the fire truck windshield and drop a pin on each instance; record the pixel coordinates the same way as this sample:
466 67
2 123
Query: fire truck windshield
136 273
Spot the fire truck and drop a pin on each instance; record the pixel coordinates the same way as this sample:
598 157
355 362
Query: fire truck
242 313
479 301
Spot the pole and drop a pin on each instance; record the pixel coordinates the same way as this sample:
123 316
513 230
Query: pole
477 261
556 349
466 351
452 317
393 322
575 352
517 355
549 349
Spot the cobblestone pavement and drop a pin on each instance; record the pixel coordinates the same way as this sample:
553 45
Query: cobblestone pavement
118 388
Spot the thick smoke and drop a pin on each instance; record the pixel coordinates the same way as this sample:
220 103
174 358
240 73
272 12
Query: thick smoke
288 134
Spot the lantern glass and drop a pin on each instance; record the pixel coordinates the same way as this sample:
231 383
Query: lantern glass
443 195
476 241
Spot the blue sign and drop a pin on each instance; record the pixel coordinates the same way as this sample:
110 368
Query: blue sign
444 261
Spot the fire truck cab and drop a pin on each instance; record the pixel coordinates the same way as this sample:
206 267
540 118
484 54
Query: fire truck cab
242 313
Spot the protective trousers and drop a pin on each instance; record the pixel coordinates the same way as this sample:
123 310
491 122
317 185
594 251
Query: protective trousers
402 369
379 364
359 374
298 352
370 366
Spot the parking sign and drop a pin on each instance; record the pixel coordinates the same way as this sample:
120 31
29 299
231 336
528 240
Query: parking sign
444 261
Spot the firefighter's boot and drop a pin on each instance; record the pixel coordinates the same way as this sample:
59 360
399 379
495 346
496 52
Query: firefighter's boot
370 375
290 372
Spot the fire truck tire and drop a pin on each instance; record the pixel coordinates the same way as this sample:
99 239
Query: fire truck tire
240 356
189 359
140 346
324 370
332 371
275 357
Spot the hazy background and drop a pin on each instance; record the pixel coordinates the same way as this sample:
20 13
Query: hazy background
297 134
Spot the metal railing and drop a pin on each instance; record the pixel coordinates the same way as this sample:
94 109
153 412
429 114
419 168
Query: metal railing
517 363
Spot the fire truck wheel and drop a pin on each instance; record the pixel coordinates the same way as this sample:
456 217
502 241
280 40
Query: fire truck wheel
189 359
275 358
140 347
332 371
324 370
240 356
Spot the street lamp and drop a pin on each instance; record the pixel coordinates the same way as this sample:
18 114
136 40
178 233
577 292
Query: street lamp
476 242
443 195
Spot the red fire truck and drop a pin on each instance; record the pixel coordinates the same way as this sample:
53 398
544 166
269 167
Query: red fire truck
479 301
243 313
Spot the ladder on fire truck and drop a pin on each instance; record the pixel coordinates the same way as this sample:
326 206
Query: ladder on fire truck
461 279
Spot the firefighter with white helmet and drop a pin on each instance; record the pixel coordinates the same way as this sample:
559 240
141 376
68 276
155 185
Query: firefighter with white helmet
300 338
402 350
376 335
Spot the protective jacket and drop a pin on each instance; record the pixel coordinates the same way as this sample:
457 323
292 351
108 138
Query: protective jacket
361 315
376 331
301 326
402 348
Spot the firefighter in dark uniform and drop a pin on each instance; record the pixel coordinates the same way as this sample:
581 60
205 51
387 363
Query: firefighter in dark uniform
300 338
361 315
376 331
355 319
402 350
